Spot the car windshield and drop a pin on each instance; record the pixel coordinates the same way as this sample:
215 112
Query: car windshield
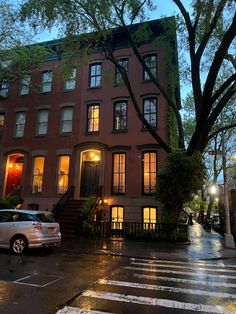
45 217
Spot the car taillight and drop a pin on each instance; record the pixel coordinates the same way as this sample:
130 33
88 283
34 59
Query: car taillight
37 225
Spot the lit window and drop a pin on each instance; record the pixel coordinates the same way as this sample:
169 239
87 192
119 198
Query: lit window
120 116
20 124
37 185
149 172
150 111
149 217
2 120
63 174
46 86
151 62
93 118
4 86
71 80
117 217
118 76
25 84
95 72
118 184
66 120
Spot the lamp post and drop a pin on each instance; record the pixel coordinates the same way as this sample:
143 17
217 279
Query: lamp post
229 239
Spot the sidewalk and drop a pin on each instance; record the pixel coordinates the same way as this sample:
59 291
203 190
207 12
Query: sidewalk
204 245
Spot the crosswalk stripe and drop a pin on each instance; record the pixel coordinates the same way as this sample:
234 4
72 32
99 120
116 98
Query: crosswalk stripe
77 310
157 261
167 289
155 302
184 267
191 281
199 274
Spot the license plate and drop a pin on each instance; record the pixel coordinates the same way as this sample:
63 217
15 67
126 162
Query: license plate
50 229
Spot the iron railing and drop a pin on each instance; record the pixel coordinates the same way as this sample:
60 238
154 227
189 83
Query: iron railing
64 199
138 230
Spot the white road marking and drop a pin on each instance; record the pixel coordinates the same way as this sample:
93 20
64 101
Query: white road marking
77 310
199 274
191 281
183 267
157 261
20 282
167 289
155 302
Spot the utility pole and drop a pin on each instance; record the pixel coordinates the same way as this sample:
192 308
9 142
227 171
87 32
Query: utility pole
229 239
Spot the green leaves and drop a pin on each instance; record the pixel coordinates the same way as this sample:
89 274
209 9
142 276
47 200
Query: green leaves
177 181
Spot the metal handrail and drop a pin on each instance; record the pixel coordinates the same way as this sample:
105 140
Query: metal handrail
64 199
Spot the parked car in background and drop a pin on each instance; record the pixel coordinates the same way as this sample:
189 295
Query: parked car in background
22 229
216 221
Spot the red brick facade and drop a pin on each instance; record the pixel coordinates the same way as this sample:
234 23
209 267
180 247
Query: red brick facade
126 147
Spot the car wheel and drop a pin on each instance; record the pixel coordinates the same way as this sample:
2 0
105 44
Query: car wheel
19 245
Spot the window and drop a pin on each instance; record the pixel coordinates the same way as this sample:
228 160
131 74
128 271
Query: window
151 62
2 120
120 116
149 217
25 84
118 77
42 123
66 120
37 185
95 71
149 172
150 111
4 86
118 182
117 217
46 82
20 124
71 80
93 118
63 174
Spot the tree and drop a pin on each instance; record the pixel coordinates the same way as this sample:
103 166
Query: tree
16 53
209 34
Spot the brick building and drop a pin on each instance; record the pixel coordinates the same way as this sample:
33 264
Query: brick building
84 131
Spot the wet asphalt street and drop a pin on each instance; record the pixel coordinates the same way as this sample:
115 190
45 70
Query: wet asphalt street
113 276
39 283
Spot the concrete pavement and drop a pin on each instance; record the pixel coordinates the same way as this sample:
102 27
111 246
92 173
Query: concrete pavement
204 245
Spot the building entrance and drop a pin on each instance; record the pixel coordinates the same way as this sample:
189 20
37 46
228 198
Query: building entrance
90 173
14 173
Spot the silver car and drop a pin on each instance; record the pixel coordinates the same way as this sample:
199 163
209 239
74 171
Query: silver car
22 229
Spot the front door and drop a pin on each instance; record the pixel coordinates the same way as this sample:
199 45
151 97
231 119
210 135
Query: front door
90 178
14 172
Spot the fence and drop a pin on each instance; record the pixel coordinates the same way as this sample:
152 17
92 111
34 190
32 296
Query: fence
138 230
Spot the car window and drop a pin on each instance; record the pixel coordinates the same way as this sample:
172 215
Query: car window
45 217
26 217
5 217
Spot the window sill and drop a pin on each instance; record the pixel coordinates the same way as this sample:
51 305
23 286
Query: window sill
68 90
94 87
143 129
66 133
119 131
45 93
92 133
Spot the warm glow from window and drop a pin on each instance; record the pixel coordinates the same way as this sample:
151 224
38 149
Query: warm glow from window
92 155
63 174
149 217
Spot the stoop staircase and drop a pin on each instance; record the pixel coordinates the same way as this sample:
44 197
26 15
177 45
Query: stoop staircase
69 218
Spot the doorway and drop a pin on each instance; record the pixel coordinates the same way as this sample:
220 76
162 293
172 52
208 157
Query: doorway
90 173
14 169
